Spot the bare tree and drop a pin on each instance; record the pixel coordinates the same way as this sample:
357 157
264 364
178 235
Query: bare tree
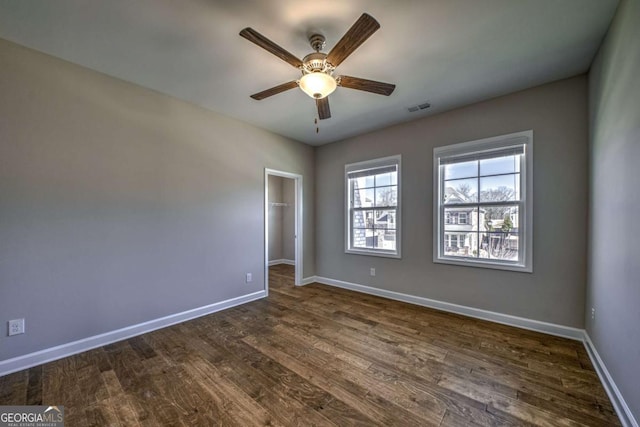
387 197
500 194
465 190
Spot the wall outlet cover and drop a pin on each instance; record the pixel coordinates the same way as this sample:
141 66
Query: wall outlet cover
16 327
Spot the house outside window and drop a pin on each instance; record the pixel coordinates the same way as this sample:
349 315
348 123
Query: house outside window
483 203
373 207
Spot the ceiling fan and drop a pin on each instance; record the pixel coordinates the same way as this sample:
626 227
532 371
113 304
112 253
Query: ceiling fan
317 68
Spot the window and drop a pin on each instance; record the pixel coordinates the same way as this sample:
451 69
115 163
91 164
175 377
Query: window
373 207
483 203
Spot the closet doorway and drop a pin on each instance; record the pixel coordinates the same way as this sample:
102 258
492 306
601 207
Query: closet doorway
283 222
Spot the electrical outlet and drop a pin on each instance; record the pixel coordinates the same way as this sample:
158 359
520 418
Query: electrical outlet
593 313
16 327
249 278
372 271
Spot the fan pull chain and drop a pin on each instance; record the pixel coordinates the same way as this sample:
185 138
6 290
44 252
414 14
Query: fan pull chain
315 122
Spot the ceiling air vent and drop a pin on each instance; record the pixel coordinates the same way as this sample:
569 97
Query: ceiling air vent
415 108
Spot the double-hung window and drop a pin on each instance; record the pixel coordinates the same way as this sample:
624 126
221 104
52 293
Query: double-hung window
483 203
373 207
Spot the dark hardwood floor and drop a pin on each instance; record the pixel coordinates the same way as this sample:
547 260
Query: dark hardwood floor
323 356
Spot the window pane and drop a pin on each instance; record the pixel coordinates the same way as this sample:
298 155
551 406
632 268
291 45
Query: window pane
385 239
499 218
363 181
363 198
460 219
461 244
502 246
371 238
499 188
385 219
369 218
362 219
500 165
472 244
358 238
454 244
461 191
363 238
387 196
461 170
383 179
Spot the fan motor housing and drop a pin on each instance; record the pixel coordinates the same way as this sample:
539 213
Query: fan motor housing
317 42
316 62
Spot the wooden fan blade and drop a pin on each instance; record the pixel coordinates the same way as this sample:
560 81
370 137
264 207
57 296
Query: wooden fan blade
274 90
359 32
257 38
367 85
323 108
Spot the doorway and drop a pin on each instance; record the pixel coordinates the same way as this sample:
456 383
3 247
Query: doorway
283 222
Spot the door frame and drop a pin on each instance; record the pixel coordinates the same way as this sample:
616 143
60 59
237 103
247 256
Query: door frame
298 237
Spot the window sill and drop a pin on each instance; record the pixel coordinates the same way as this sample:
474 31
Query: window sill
373 253
467 262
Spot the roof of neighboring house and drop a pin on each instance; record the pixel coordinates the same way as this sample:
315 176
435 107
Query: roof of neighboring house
451 195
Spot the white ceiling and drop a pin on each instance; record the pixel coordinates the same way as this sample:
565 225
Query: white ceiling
447 52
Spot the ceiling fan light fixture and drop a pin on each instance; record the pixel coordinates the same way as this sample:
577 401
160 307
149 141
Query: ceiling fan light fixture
317 68
317 85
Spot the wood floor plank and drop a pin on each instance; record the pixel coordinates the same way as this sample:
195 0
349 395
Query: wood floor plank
587 415
237 405
101 414
451 419
391 389
378 409
269 394
295 385
34 387
60 387
131 411
13 388
317 355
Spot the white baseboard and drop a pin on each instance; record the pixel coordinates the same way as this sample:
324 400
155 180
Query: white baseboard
506 319
308 280
282 261
54 353
622 409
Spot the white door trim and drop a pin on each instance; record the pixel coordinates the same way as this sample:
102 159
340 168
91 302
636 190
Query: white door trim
298 224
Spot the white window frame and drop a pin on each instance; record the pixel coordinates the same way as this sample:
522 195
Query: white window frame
525 205
363 166
466 218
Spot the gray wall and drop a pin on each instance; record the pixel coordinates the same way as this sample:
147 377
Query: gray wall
288 219
275 218
120 205
554 292
614 226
